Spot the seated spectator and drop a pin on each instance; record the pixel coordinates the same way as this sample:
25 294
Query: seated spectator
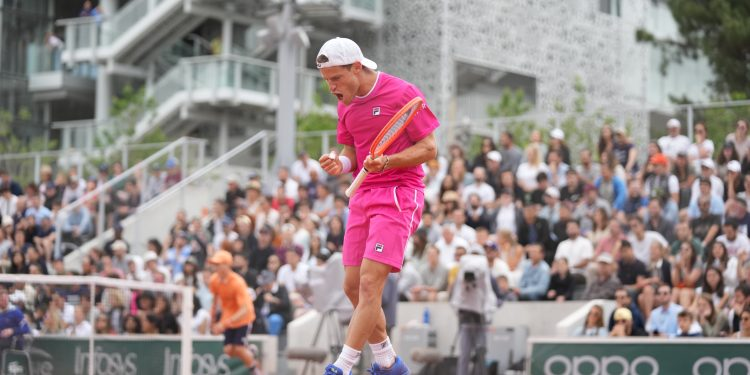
80 327
573 190
713 323
294 275
707 175
12 322
641 239
175 256
623 326
44 238
713 285
8 202
684 234
477 215
535 278
259 259
119 257
586 208
561 283
448 244
165 319
433 277
631 272
657 222
623 299
610 242
527 172
102 325
537 195
734 241
740 302
730 267
593 326
577 250
458 219
587 169
611 188
635 203
663 319
512 253
479 187
335 237
686 272
131 325
605 283
557 169
272 306
507 215
662 185
744 331
550 211
78 226
687 326
716 205
706 226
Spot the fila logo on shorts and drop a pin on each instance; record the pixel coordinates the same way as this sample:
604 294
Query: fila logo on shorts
379 247
376 111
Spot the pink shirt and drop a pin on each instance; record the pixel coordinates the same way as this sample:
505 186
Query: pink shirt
361 121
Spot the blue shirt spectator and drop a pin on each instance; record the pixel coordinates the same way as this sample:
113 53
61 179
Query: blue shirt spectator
12 323
663 319
79 220
618 192
717 207
179 253
535 277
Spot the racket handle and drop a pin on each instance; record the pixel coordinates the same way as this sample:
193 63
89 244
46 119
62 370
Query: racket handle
357 181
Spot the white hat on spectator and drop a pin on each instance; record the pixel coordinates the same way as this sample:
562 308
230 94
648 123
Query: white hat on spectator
673 123
119 245
708 163
7 220
557 133
605 258
494 156
149 256
552 192
734 166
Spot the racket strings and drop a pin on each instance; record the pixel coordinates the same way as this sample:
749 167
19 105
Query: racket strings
396 126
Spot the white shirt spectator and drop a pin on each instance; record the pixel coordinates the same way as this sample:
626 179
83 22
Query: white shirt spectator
290 188
506 218
293 279
448 250
485 192
694 149
671 146
467 233
642 247
82 329
740 244
575 251
499 268
8 205
300 170
526 174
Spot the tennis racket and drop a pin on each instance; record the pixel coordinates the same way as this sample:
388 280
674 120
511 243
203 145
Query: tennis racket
392 130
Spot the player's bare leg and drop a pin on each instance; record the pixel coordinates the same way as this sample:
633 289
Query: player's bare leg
351 289
242 353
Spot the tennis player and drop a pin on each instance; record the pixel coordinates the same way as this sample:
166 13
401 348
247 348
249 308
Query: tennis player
387 207
237 311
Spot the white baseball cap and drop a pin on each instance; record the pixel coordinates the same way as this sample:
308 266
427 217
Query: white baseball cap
494 156
708 163
557 134
342 51
734 166
673 123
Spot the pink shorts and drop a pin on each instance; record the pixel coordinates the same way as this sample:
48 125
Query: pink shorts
380 223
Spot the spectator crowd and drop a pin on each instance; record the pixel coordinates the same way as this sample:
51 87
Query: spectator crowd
663 233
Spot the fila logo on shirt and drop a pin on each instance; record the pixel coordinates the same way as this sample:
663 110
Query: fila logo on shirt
379 247
376 111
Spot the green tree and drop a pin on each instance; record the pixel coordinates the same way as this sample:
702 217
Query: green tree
10 143
512 103
128 108
716 29
316 120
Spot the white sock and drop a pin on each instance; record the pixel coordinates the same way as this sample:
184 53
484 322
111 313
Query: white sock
384 354
347 359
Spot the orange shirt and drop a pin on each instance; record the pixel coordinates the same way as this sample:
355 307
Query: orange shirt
232 294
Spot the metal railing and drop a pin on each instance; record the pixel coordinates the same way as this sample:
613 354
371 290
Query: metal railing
138 171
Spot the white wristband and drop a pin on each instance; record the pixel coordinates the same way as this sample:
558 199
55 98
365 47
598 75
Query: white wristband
346 164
